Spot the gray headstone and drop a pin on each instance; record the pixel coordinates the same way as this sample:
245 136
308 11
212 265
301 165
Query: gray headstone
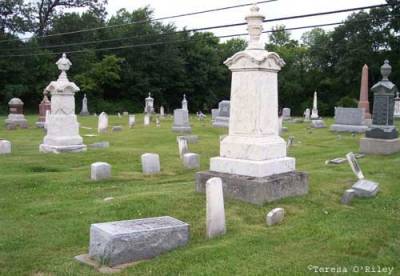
5 147
100 145
100 171
191 161
181 121
150 163
349 116
366 188
286 113
224 108
275 216
215 208
348 196
317 124
214 113
123 242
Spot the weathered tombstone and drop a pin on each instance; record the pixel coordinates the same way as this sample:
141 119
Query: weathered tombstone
123 242
307 115
222 120
214 114
16 117
182 147
5 147
162 112
363 187
84 110
181 121
102 123
382 136
286 113
100 145
158 122
44 106
275 216
150 163
185 103
349 120
100 171
62 126
131 121
125 113
290 142
215 208
146 119
364 102
397 106
336 161
116 128
191 161
149 105
191 139
253 162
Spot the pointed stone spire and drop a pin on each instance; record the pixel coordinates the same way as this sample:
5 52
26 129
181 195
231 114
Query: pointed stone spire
364 102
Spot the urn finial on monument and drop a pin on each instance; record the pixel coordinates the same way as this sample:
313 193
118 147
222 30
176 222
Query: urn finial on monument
386 70
63 64
255 28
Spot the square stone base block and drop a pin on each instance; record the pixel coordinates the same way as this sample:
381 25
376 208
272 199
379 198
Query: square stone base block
252 168
379 146
349 128
257 190
182 129
61 149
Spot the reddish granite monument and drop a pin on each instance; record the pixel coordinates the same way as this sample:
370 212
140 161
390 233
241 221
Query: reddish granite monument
44 106
16 117
364 102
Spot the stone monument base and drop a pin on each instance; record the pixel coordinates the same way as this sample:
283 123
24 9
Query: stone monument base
318 124
61 149
379 146
257 190
182 129
349 128
221 122
382 132
13 124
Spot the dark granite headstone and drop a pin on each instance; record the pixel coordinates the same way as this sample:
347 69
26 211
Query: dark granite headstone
383 114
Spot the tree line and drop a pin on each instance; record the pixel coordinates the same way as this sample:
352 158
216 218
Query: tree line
177 62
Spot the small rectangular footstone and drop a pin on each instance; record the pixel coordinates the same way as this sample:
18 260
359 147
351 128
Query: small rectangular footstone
257 190
122 242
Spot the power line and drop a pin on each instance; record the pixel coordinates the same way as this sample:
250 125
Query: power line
147 20
201 29
172 41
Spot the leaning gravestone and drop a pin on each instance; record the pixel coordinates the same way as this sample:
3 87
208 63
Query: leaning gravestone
222 120
150 163
215 208
5 147
181 121
275 216
349 120
123 242
363 187
102 123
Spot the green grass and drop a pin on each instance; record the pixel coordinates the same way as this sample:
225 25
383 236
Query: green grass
47 204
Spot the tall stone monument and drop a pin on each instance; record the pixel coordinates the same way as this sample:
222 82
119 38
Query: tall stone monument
85 110
364 102
44 106
149 105
62 125
397 106
316 121
253 164
185 103
16 116
382 136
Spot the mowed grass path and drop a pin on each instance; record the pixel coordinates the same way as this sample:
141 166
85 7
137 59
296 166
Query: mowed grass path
47 203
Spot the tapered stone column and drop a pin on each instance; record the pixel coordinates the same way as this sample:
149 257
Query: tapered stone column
364 102
62 124
253 147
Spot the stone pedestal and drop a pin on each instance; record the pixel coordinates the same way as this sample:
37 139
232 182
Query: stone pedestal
16 116
379 146
181 121
62 125
253 150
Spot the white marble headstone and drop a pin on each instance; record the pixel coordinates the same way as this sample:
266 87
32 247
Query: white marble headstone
215 208
354 165
102 123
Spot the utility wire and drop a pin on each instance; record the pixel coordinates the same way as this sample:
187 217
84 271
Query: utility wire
194 30
147 20
172 41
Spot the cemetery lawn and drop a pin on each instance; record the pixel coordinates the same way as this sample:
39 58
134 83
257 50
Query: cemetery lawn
47 203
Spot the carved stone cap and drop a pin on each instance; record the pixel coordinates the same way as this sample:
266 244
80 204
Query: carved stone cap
15 101
386 70
62 87
255 60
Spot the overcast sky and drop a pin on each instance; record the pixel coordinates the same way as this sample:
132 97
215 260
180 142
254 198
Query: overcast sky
280 8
